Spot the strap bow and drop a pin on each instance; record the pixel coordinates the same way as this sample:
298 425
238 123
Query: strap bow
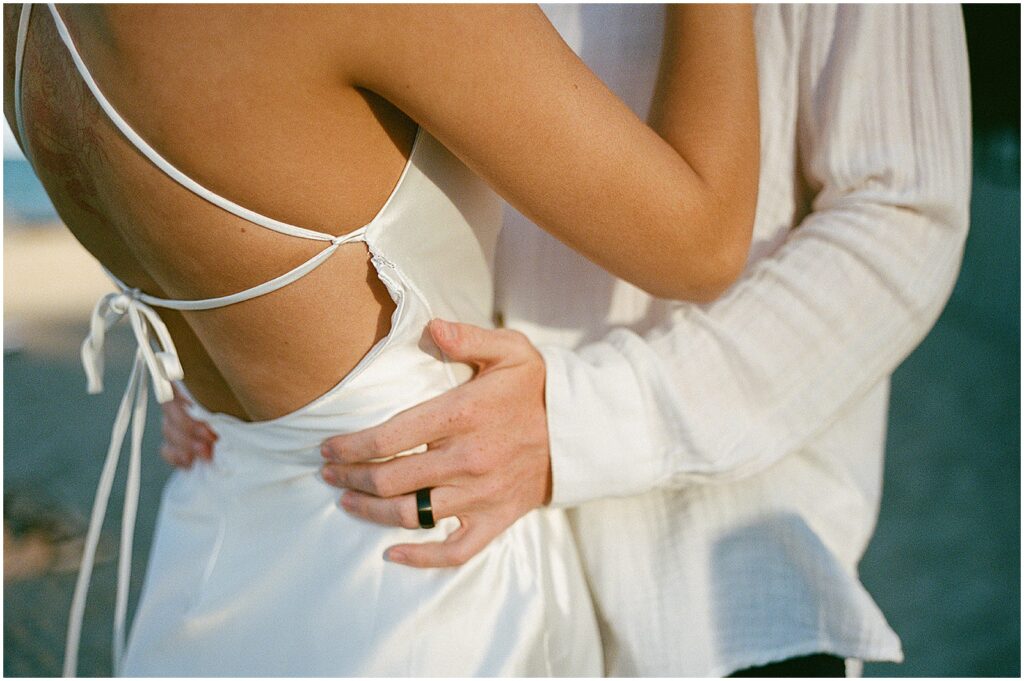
163 364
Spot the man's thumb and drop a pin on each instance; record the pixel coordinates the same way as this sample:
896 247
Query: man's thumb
469 343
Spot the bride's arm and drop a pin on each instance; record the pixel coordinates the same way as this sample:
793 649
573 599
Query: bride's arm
705 105
497 86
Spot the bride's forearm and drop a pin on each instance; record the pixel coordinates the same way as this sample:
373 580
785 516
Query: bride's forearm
499 88
706 106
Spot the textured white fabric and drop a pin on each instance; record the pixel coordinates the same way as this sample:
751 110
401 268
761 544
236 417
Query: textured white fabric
255 570
747 435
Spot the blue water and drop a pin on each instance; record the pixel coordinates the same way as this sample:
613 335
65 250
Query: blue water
24 197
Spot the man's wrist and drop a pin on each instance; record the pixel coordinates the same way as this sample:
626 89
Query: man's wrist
599 444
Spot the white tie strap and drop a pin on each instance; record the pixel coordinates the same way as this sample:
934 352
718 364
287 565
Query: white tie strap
163 364
133 411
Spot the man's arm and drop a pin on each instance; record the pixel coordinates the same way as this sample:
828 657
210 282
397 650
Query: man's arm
722 391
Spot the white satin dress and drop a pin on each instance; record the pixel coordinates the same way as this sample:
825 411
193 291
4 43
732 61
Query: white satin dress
255 570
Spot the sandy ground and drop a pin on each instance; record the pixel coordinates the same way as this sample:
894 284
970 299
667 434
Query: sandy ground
944 565
29 253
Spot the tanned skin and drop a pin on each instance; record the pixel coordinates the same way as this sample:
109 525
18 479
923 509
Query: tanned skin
306 114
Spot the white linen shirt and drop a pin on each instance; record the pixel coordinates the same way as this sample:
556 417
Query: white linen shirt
724 461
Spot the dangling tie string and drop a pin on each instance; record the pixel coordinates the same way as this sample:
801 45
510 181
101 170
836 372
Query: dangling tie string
162 366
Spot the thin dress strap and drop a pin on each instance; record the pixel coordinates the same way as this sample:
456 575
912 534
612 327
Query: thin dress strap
156 358
249 293
163 164
19 58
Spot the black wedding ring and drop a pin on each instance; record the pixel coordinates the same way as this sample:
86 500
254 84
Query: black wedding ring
423 508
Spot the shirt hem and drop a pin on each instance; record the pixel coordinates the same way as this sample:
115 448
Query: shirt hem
863 652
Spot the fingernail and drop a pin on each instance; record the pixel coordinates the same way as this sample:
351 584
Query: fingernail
443 329
328 475
325 451
395 556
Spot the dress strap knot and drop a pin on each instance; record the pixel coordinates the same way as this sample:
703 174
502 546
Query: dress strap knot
163 363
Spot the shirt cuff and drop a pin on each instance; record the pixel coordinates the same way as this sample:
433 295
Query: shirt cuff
601 441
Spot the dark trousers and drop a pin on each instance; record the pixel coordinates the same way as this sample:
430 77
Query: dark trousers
810 665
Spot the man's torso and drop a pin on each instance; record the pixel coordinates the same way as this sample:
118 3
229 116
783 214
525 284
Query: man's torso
710 578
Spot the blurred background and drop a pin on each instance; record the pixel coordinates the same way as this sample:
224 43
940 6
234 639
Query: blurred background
944 564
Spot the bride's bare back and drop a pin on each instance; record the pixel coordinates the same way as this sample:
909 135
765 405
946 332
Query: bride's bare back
273 108
275 134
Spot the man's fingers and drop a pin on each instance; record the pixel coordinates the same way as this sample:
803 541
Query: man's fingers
401 511
177 416
185 442
460 546
175 412
443 416
427 422
189 436
184 437
176 457
203 431
402 475
475 345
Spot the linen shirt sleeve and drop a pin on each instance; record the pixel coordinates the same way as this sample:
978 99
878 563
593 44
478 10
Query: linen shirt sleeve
720 391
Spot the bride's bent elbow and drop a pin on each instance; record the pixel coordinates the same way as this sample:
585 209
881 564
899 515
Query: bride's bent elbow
703 274
722 270
701 263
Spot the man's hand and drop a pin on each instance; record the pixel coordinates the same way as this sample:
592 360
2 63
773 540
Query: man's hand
487 460
185 439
